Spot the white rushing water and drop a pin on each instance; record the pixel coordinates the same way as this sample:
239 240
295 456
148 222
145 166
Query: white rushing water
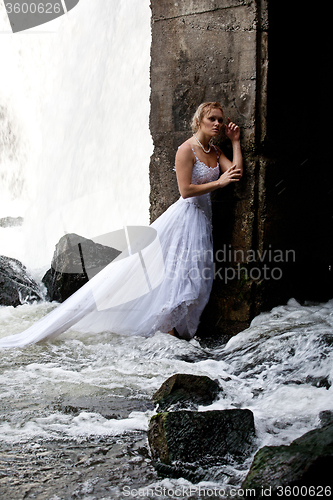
280 368
74 136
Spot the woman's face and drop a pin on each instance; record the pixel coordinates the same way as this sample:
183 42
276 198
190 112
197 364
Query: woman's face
212 123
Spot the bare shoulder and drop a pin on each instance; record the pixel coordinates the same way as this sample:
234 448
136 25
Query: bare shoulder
185 152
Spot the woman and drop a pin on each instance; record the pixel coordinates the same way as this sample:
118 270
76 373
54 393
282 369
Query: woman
185 237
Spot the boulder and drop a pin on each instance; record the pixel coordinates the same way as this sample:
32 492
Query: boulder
75 261
186 390
16 285
306 462
326 417
201 437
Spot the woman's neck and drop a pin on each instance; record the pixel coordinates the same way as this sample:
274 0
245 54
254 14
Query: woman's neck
204 139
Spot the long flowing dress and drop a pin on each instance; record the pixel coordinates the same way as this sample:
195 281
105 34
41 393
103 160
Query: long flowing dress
185 236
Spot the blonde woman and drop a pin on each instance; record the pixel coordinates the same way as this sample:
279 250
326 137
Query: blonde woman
185 236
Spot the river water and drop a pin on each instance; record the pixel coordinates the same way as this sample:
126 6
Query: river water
75 411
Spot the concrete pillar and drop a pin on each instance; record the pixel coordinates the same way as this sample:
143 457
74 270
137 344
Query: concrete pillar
212 50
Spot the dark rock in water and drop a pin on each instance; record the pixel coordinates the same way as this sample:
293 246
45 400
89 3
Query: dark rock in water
318 381
326 417
107 406
193 474
185 390
75 261
11 221
201 437
16 285
61 285
306 462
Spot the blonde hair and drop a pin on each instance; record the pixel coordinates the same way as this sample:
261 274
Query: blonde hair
202 111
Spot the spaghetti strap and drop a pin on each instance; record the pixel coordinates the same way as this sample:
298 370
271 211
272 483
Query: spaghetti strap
196 158
217 153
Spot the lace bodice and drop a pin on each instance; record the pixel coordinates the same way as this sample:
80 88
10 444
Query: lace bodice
201 174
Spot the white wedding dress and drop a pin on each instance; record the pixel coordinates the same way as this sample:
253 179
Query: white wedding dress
185 236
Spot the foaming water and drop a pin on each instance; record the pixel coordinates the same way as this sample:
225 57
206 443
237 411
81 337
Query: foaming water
280 368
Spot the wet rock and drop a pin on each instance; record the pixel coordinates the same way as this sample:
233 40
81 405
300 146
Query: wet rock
108 407
16 285
305 462
326 417
201 437
11 221
186 390
194 474
318 381
75 261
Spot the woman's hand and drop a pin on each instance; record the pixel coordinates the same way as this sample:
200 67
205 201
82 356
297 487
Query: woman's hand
233 174
232 131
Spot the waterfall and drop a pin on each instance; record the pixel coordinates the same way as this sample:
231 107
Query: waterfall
74 135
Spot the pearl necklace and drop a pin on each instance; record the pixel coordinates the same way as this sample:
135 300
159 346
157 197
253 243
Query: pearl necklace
203 149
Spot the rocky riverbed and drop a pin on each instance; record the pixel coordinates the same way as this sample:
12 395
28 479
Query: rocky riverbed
75 411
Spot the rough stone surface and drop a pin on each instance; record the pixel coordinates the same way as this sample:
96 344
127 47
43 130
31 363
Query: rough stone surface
186 390
196 437
75 258
201 53
218 50
305 462
16 285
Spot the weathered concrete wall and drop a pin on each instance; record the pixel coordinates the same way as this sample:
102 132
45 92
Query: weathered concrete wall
218 50
206 51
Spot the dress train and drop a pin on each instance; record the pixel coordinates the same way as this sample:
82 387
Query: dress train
185 236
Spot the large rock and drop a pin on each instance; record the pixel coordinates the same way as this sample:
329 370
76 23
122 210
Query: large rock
16 285
193 437
186 390
76 260
306 462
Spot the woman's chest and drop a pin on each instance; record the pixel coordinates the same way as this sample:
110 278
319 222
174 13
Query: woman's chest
202 174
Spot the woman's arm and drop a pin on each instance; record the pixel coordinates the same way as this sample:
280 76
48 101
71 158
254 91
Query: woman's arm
184 166
232 131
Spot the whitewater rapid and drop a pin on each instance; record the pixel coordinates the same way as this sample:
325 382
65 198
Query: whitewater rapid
280 368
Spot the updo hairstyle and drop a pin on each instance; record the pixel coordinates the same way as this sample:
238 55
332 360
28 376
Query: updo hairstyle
202 111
